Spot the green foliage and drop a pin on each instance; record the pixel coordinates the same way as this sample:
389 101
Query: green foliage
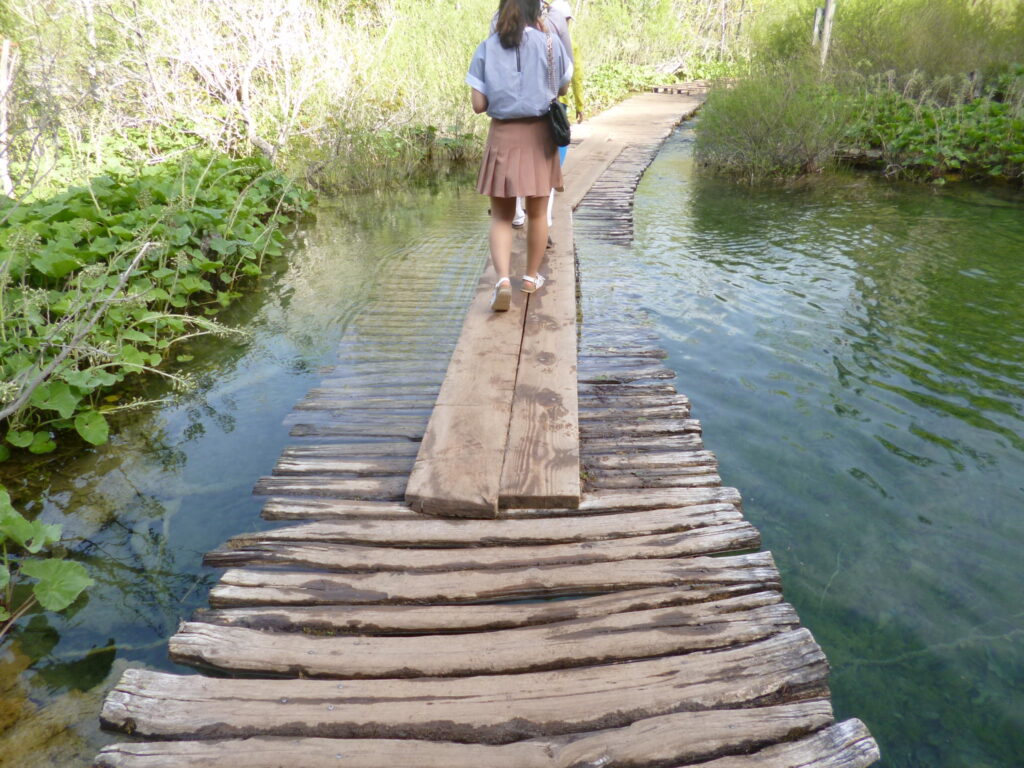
57 582
931 88
776 124
608 84
99 281
982 138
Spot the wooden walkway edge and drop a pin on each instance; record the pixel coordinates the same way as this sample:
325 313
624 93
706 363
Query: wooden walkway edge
633 625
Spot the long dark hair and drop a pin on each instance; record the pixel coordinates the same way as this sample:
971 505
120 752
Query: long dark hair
513 18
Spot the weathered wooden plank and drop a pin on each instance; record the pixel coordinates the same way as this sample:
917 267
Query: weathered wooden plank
684 477
845 745
384 428
362 449
386 488
491 709
403 531
368 391
273 587
651 460
298 508
638 428
542 456
458 469
729 537
363 466
431 619
397 415
625 444
682 737
634 411
356 404
600 388
585 642
625 375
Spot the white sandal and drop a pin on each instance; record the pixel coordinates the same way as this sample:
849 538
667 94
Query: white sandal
501 300
531 284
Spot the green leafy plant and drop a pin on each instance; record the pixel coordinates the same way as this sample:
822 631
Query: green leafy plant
55 583
98 282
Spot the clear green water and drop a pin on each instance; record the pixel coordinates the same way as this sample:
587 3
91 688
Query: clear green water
855 351
176 480
853 348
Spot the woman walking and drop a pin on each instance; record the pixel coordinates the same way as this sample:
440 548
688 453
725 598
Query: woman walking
514 75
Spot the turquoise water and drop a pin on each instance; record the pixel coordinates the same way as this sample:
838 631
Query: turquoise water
855 351
853 348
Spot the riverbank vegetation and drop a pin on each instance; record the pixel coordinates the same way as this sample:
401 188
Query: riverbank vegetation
926 89
150 153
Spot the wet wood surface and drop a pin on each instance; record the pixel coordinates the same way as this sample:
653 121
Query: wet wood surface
636 624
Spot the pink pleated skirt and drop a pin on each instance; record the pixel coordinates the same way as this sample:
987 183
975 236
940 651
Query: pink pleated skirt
520 159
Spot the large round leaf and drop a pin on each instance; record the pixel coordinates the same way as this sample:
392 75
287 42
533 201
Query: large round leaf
60 581
92 427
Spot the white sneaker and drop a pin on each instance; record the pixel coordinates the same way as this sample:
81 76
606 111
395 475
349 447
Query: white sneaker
518 221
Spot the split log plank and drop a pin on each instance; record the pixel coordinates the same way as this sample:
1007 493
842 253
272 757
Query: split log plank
638 428
273 587
845 745
363 466
686 737
430 619
386 488
784 668
586 642
651 460
729 537
298 508
427 532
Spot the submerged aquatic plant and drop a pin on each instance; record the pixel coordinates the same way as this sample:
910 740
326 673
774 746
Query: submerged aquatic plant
56 582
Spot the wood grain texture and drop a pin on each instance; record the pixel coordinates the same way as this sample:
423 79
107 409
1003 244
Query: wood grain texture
685 737
542 457
278 587
458 468
427 532
584 642
495 709
844 745
726 537
430 619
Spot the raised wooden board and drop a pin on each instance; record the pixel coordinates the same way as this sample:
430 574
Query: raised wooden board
458 468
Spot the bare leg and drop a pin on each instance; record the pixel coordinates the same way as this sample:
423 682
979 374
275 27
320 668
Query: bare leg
537 234
502 211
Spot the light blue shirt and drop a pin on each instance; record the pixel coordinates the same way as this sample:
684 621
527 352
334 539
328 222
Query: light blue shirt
515 80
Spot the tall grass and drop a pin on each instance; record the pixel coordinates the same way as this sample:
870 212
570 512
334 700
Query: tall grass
935 85
777 123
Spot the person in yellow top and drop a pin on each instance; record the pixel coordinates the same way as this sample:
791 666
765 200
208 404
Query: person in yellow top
576 87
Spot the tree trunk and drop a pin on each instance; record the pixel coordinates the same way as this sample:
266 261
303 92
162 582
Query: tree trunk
8 64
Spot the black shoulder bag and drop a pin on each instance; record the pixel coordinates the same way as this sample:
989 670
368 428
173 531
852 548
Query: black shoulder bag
556 114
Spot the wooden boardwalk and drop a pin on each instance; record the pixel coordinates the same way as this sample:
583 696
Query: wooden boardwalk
607 607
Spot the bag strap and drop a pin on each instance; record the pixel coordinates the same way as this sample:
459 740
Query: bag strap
551 67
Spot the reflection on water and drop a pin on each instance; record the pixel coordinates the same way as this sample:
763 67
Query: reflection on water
854 350
176 481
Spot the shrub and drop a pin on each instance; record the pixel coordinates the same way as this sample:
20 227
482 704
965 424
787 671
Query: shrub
775 124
